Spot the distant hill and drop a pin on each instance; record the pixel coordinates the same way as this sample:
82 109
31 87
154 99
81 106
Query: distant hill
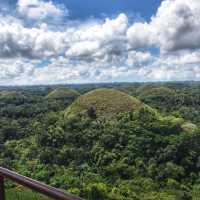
103 103
61 93
151 90
12 96
160 97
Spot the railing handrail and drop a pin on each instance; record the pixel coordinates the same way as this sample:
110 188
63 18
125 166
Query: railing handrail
34 185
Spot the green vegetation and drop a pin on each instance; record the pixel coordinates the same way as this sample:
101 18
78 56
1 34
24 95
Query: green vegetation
12 97
61 93
20 193
158 97
103 103
106 144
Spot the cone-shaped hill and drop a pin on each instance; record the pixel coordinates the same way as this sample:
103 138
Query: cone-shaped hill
155 91
61 93
158 97
102 103
12 96
109 103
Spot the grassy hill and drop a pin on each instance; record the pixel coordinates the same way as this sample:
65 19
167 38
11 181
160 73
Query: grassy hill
104 103
12 96
161 98
61 93
155 91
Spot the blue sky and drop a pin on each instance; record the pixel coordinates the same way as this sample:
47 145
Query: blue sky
98 8
80 9
75 41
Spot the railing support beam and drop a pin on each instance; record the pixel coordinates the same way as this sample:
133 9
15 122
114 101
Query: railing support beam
34 185
2 189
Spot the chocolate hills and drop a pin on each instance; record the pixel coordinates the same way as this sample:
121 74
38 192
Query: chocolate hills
103 103
61 93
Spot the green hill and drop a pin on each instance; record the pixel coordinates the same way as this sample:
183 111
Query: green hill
103 103
162 98
12 96
61 93
147 91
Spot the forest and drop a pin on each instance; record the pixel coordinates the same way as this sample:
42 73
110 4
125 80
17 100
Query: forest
119 141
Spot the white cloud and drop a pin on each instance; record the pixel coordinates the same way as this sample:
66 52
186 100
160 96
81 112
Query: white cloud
140 35
18 41
179 66
39 9
106 50
83 41
138 58
15 70
176 26
100 39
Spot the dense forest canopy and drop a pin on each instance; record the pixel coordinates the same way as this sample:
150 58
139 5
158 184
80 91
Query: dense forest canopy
125 141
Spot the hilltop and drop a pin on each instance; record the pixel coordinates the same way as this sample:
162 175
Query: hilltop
103 103
149 90
12 96
61 93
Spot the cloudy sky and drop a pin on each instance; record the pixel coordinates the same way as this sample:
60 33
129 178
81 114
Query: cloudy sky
76 41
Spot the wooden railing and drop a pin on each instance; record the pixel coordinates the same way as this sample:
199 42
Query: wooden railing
37 186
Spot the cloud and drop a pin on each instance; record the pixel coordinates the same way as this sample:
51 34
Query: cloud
178 66
99 39
39 9
109 49
140 35
88 41
19 41
176 26
136 58
63 70
15 70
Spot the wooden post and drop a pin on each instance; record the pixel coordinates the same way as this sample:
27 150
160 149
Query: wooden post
2 189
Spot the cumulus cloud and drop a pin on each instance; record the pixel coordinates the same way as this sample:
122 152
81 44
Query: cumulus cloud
138 58
17 40
179 66
140 35
39 9
176 26
96 40
15 70
100 50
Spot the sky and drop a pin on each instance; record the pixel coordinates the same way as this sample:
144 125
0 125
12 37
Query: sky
75 41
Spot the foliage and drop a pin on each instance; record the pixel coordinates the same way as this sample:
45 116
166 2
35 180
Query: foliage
20 193
144 154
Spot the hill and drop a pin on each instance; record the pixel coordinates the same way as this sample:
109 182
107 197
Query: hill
162 98
61 93
150 90
12 96
147 154
103 103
